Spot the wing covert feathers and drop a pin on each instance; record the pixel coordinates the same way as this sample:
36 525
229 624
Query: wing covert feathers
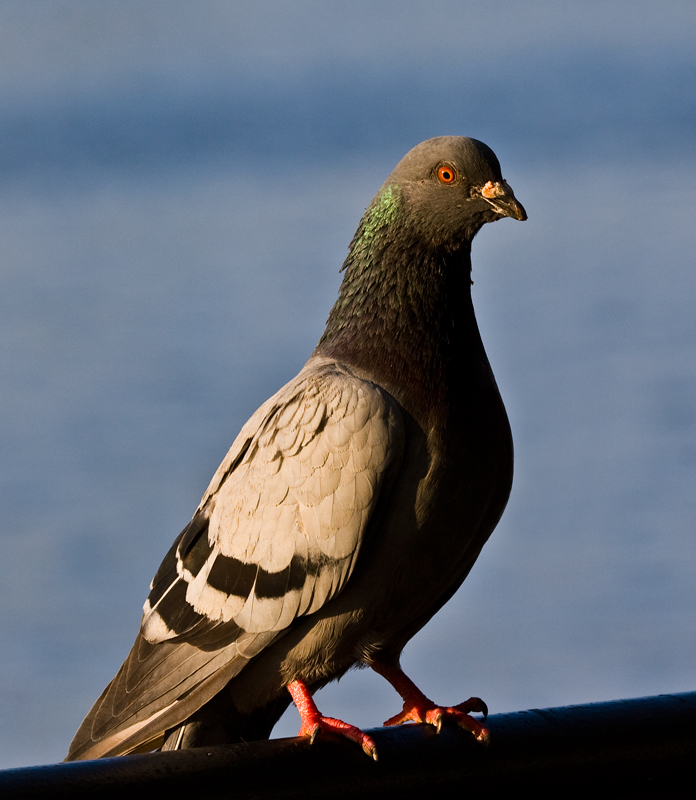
276 537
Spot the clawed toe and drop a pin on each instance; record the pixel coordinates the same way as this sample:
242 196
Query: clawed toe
435 716
474 704
337 726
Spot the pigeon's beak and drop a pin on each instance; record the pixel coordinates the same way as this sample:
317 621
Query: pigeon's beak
501 197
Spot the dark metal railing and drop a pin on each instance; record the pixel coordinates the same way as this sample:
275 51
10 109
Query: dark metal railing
642 745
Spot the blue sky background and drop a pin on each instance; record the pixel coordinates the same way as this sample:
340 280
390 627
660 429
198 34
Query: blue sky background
178 186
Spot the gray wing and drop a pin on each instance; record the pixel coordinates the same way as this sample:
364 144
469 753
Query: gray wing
275 537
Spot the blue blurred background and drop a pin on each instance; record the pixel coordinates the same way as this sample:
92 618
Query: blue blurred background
178 186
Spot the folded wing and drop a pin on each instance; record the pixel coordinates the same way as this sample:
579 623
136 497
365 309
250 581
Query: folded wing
276 536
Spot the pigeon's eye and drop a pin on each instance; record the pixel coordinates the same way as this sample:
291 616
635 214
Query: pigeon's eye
446 174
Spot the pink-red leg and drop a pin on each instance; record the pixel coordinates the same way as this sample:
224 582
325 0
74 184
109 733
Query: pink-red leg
313 722
418 708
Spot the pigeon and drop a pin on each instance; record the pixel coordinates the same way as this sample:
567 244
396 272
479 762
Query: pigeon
352 504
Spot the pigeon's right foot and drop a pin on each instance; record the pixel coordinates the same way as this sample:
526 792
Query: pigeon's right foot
313 723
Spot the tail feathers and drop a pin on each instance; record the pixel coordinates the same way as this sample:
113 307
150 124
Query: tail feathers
146 734
157 688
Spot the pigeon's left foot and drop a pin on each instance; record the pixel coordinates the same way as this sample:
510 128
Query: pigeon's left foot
424 710
313 722
418 708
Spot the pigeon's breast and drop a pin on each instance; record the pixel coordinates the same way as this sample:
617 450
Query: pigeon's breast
455 484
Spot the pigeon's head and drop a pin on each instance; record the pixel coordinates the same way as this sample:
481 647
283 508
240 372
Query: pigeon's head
449 187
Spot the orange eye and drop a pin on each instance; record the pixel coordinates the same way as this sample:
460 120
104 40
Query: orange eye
446 174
